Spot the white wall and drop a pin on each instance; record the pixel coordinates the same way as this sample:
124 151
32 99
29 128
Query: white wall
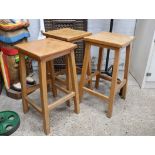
34 29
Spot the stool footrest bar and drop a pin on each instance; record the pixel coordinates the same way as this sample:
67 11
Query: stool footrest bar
61 72
60 80
92 75
62 89
32 103
108 78
32 88
119 86
61 101
92 92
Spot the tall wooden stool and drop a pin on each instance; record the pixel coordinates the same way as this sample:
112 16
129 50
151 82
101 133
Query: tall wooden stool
69 35
112 41
44 51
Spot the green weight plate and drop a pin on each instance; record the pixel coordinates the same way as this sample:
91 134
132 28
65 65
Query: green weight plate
9 122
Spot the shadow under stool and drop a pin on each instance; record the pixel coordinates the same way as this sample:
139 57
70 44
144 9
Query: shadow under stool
44 51
115 42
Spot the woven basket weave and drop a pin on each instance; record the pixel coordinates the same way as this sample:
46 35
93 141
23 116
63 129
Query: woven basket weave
78 24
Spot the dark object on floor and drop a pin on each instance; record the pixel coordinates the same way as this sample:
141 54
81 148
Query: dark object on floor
9 122
16 94
13 94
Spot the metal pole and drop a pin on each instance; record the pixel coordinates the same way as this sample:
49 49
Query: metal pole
108 51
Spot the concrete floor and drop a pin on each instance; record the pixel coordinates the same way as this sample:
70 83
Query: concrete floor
134 116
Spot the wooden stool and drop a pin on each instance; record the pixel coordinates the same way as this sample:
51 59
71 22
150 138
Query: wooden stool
113 41
44 51
69 35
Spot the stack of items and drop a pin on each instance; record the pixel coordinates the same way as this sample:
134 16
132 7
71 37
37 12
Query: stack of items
11 33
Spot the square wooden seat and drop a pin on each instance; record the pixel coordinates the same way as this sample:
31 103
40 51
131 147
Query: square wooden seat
67 34
111 41
44 51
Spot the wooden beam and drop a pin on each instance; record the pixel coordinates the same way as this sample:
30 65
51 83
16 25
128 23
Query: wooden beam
32 103
119 86
92 92
91 76
60 80
61 101
99 66
62 89
61 72
108 78
32 88
23 82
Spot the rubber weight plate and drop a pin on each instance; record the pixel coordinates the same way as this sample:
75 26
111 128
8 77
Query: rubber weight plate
9 122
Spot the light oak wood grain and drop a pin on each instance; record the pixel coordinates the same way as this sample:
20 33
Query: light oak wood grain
84 69
23 82
126 71
67 34
113 41
74 81
110 39
43 96
46 48
49 49
99 66
113 83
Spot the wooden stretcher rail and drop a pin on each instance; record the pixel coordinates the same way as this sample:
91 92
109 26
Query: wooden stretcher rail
61 101
92 92
60 81
32 103
108 78
91 76
119 86
62 89
63 71
32 88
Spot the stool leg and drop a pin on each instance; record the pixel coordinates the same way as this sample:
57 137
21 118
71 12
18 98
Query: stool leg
68 78
43 94
23 82
89 73
99 66
84 69
113 83
74 82
126 71
52 77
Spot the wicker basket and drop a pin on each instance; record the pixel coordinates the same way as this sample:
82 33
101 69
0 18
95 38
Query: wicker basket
79 24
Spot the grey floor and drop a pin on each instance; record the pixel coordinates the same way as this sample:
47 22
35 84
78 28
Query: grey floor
134 116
